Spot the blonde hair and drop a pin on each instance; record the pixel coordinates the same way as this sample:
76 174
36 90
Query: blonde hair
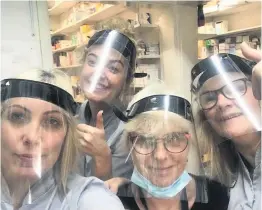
153 121
223 155
66 161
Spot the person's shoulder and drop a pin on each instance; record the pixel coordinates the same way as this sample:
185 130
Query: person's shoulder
217 194
91 193
126 196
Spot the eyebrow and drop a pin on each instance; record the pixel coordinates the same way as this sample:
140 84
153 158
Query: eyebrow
29 111
19 107
110 61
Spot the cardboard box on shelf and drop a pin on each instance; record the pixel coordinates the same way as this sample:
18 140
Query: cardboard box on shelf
239 39
246 38
208 28
223 46
221 26
65 43
80 11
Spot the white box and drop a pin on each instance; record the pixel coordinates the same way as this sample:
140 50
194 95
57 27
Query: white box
246 38
221 26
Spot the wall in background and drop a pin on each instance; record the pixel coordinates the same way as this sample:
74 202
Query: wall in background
22 27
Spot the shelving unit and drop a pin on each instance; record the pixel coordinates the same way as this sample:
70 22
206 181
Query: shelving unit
106 12
255 29
61 7
65 49
69 67
244 23
149 57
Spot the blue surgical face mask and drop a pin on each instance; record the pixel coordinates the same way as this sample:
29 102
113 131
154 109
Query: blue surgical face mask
161 192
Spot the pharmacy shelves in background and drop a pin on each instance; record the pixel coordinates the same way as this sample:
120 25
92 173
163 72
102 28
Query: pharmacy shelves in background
254 29
69 67
145 27
61 7
149 57
229 10
65 49
106 12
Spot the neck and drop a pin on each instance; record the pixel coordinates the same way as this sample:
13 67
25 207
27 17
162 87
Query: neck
247 145
95 107
163 204
18 189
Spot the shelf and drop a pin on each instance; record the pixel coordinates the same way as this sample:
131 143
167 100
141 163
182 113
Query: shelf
229 33
229 10
106 12
145 27
81 45
149 57
205 36
65 49
69 67
61 7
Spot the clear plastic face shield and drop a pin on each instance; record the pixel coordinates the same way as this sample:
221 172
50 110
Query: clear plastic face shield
222 88
35 124
109 64
163 148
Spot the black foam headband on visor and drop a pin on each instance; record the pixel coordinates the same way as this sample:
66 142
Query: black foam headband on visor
169 103
13 88
206 68
121 43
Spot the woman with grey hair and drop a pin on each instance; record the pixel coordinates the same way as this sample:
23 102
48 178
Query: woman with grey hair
38 147
227 89
168 173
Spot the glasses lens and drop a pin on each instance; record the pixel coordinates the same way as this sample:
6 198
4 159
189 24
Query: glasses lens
143 145
208 99
238 88
176 142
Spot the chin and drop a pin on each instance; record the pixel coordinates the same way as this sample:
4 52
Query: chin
28 173
163 182
95 97
234 131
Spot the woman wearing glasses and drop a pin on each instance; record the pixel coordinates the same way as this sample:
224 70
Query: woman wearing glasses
167 167
228 121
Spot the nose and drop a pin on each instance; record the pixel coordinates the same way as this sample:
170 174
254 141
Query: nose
31 135
222 101
160 153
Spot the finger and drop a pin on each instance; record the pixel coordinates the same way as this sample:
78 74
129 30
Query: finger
250 53
86 128
99 120
256 80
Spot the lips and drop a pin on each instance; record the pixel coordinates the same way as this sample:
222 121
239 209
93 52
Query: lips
162 171
28 160
229 117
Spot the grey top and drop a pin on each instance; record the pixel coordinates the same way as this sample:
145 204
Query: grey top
246 194
113 132
83 194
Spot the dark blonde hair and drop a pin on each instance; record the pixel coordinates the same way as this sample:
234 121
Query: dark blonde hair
67 158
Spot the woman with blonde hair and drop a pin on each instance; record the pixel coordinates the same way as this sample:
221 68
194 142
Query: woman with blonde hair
227 89
168 173
38 150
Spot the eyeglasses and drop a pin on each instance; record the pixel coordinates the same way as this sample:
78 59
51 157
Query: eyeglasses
209 99
173 142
